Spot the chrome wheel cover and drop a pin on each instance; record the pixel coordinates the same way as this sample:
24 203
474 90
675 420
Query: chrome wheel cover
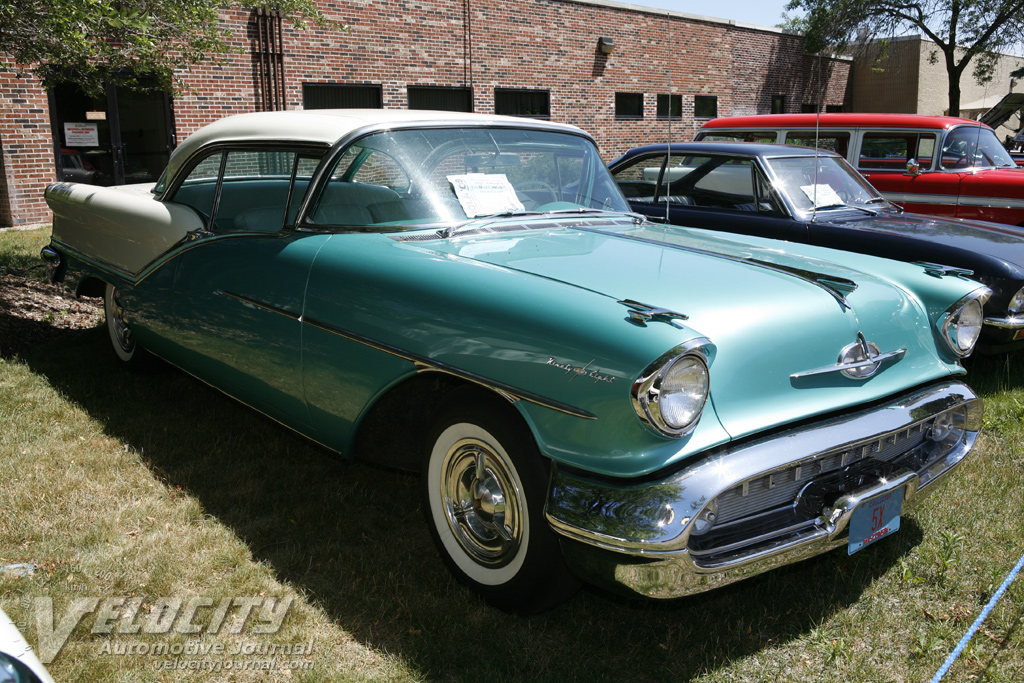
119 330
482 503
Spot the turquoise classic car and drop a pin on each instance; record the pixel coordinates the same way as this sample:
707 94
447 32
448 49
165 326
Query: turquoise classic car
587 394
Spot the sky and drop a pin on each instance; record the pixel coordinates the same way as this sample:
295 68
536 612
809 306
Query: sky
760 12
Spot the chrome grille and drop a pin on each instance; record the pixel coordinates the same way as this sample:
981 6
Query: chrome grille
780 488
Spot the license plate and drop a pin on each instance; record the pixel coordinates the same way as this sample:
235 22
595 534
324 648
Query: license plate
874 519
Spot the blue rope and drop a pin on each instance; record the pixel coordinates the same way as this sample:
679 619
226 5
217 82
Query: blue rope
977 622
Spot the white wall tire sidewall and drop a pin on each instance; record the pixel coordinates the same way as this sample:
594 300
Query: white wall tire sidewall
108 312
485 576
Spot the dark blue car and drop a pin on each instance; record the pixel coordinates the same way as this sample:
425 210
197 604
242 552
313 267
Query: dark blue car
806 195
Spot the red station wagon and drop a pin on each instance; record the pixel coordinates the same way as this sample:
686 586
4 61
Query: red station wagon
938 165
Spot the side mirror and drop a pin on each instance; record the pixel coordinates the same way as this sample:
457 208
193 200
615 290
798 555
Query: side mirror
913 168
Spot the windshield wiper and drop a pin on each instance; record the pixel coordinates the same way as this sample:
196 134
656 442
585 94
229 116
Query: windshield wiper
475 221
584 210
870 212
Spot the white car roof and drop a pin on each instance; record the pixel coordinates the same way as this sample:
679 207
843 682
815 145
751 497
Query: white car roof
327 126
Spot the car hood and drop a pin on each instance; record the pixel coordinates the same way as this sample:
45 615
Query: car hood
771 310
990 248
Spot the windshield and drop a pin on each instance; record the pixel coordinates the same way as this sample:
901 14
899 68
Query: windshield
974 147
824 182
415 178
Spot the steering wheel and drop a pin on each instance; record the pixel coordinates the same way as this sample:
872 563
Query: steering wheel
540 184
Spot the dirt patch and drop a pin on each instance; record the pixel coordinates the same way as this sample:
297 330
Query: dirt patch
33 312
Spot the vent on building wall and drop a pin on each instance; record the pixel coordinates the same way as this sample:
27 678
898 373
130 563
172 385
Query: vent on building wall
268 60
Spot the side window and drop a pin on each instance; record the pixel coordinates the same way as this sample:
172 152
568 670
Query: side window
891 151
830 140
926 145
200 187
639 180
726 185
364 189
254 190
248 190
380 169
304 167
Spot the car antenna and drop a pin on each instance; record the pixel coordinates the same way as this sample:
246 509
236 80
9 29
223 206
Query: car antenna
817 125
668 153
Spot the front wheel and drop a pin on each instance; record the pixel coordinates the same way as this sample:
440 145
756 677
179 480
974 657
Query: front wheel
484 485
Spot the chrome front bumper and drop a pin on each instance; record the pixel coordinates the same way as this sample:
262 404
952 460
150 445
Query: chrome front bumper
744 509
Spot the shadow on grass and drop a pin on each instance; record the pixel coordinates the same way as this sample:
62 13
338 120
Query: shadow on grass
352 538
992 374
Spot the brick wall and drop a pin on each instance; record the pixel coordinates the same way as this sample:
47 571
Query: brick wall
27 160
483 44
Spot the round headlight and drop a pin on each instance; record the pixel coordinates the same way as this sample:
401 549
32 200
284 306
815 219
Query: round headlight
962 326
683 390
1016 306
672 391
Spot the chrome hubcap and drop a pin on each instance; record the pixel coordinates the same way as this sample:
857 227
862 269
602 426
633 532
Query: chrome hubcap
482 503
122 332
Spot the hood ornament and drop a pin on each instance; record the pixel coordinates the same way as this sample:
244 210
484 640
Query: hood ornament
939 270
642 313
860 360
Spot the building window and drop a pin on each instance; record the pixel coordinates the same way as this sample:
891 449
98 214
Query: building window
833 109
705 106
440 98
808 109
629 105
533 103
778 104
335 96
670 106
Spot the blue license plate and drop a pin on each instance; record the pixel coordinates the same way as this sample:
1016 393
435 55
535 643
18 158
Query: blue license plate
874 519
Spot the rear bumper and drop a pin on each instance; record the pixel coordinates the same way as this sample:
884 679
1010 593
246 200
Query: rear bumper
742 510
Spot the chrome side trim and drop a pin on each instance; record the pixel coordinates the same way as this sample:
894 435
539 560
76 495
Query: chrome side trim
954 200
265 306
424 364
912 198
641 534
190 241
992 202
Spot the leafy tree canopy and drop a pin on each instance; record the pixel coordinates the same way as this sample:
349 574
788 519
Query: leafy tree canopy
92 41
965 32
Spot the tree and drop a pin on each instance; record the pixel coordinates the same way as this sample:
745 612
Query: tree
964 31
89 42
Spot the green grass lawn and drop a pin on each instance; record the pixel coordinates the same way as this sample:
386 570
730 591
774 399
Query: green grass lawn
117 484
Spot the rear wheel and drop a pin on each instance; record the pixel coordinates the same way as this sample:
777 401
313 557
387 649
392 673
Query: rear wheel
121 338
484 485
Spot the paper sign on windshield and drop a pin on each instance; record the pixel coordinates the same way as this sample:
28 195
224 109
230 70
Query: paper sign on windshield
483 194
822 195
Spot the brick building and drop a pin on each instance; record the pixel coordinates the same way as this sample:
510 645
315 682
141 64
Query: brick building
625 73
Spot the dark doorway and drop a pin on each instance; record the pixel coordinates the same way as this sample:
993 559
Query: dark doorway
122 136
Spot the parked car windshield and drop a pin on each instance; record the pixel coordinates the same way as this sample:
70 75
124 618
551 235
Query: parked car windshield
825 182
414 178
974 147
